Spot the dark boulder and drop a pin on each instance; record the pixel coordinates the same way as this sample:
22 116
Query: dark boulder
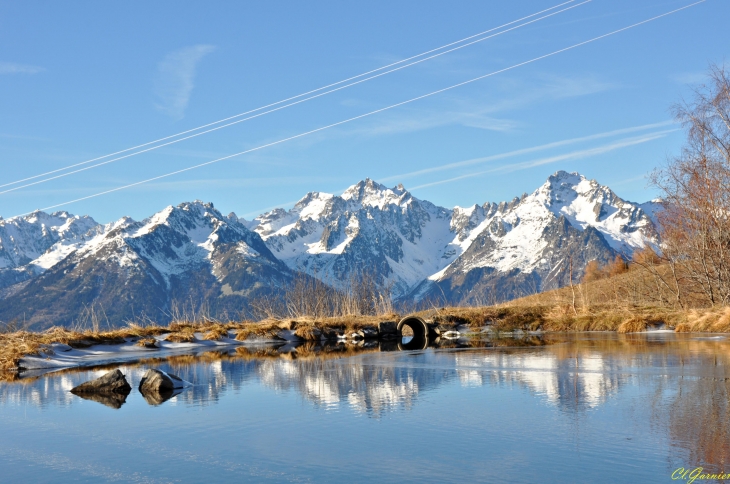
112 382
157 386
157 381
332 334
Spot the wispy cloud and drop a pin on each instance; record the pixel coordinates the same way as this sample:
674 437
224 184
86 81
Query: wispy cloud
487 113
689 77
175 79
421 121
12 68
574 155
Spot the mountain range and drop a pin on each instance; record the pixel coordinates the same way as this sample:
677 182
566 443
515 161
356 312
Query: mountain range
53 267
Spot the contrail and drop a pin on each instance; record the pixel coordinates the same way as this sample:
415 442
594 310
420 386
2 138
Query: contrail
574 155
392 106
305 94
524 151
280 107
524 165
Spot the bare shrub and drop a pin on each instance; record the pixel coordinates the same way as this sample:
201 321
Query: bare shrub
695 225
309 297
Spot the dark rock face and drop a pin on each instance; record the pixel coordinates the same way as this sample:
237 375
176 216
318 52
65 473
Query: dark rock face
111 383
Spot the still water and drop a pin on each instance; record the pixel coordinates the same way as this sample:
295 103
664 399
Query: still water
572 408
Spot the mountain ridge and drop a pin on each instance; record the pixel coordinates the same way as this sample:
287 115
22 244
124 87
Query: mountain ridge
419 251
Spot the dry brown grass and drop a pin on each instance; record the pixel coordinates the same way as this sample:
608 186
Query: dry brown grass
15 345
308 332
632 325
266 329
186 335
216 333
547 312
147 343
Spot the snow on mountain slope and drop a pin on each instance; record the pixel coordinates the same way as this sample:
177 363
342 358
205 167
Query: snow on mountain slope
24 239
186 253
532 237
405 241
625 225
51 265
176 240
519 226
384 231
32 243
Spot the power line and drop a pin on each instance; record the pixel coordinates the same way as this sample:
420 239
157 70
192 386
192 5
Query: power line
289 99
392 106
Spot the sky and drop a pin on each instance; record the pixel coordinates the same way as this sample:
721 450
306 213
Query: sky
82 80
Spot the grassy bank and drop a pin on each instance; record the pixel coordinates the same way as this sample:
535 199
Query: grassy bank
16 344
548 312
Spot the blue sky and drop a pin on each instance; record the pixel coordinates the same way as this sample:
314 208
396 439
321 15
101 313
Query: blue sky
80 80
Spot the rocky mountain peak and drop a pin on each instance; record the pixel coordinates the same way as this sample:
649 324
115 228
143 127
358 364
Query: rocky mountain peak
419 250
370 193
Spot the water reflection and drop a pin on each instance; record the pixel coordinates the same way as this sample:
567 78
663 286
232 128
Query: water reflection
111 400
573 373
688 376
571 383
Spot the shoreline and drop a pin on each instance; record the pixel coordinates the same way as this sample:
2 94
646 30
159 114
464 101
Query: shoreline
62 348
112 356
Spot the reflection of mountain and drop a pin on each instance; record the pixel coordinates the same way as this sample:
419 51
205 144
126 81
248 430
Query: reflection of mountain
579 374
371 382
368 386
42 392
570 383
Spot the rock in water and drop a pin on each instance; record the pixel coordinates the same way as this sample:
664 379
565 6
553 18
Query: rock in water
112 382
159 381
157 386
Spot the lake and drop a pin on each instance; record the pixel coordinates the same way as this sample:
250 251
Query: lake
591 407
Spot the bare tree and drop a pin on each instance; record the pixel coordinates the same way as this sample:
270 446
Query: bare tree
695 225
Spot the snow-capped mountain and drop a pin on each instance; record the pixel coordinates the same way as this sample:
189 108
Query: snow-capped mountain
526 245
385 232
488 252
26 242
189 256
52 266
